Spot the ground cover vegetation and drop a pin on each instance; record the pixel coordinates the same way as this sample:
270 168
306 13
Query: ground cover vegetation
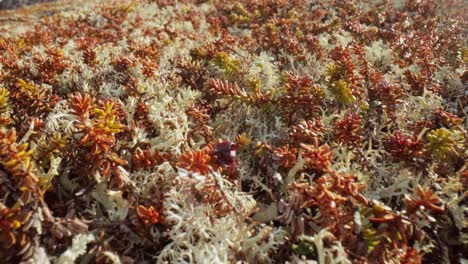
236 132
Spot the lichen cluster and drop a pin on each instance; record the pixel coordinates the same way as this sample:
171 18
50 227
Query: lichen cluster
236 132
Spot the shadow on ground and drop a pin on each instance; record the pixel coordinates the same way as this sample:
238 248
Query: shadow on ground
11 4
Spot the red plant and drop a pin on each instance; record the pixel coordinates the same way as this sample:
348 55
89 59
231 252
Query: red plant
331 195
346 69
16 160
403 147
285 155
393 232
51 65
212 194
425 200
105 123
349 130
195 161
388 94
81 105
446 119
149 51
317 157
419 83
410 256
199 113
306 131
301 96
148 68
464 179
29 99
98 124
123 63
220 88
143 159
86 45
148 215
9 225
348 185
